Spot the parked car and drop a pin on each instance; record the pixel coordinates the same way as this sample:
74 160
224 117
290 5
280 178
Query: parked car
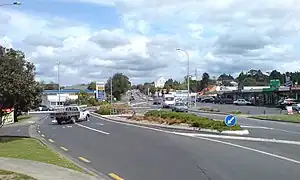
208 100
156 101
180 107
241 102
286 102
223 101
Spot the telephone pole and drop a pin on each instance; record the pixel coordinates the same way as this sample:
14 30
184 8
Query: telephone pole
58 81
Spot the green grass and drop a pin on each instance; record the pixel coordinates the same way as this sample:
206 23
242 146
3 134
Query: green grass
23 117
9 175
32 149
191 119
235 112
289 118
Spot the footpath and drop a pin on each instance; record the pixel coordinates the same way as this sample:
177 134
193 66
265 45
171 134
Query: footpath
36 170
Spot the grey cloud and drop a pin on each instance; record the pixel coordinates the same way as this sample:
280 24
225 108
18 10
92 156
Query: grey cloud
41 40
109 40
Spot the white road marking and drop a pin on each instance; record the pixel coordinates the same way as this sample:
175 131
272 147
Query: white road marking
208 139
18 130
257 127
243 138
252 149
96 130
51 140
43 135
39 131
100 124
54 121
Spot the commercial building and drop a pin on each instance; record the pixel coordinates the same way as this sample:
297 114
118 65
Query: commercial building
52 98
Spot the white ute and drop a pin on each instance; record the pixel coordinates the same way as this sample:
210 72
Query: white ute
168 101
70 114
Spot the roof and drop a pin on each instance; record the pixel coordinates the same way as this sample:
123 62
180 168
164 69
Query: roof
68 91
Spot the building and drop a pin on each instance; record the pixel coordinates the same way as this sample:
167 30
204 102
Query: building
51 98
160 82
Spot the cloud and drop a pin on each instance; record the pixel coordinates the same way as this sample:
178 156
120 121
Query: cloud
222 36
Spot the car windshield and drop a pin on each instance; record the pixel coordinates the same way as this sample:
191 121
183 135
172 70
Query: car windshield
169 98
179 104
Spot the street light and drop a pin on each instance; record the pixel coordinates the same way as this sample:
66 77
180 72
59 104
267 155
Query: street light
16 3
188 74
58 81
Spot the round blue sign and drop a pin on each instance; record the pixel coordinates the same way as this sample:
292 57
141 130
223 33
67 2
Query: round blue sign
230 120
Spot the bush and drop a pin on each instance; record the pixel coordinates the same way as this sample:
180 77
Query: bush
106 109
209 109
191 119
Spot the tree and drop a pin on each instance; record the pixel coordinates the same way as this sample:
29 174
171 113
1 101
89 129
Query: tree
18 88
92 86
205 80
249 81
120 85
50 86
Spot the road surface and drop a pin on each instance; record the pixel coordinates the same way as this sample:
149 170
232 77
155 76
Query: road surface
136 153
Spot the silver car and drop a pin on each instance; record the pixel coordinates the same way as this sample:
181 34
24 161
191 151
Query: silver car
180 107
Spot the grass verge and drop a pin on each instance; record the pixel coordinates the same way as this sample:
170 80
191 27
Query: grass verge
208 109
289 118
23 117
32 149
235 112
192 120
9 175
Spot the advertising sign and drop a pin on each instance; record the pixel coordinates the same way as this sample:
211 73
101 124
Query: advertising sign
100 90
9 118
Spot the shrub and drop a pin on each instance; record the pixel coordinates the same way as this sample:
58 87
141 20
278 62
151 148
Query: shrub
191 119
106 109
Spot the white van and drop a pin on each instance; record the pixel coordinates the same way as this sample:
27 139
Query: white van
168 100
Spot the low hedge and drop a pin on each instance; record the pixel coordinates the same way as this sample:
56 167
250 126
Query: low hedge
192 119
113 109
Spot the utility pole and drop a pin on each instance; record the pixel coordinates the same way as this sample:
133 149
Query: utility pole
188 74
58 80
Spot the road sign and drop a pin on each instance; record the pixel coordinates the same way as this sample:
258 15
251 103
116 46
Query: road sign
100 95
230 120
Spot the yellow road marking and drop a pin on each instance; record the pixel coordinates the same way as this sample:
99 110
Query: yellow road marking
43 135
114 176
51 140
63 148
83 159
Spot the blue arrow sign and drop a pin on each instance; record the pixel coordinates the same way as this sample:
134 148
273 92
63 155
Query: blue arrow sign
230 120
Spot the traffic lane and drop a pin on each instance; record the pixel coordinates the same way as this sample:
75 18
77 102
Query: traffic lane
243 109
293 127
136 153
215 160
132 153
290 151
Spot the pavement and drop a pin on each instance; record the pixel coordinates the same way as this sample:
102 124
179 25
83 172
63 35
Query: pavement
134 153
34 168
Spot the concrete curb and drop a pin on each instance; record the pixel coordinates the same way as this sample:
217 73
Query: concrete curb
90 171
190 129
209 112
257 118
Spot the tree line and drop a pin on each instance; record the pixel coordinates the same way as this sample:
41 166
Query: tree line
252 77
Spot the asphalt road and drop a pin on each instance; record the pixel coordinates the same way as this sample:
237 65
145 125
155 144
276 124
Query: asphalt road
243 109
136 153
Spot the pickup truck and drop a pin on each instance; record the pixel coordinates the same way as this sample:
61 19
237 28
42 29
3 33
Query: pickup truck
70 114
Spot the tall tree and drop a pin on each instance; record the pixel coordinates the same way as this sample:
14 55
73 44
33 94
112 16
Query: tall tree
120 85
18 88
205 80
50 86
92 86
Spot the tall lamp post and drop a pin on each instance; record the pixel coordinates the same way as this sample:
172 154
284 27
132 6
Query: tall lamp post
16 3
58 81
188 74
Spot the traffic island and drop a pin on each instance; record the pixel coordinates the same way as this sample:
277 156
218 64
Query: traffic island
180 121
291 118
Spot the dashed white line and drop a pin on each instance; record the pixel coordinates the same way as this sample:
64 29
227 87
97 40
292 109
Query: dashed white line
63 148
257 127
208 139
39 131
96 130
51 140
43 135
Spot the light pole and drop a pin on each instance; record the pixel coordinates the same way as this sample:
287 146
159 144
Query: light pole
188 74
58 81
16 3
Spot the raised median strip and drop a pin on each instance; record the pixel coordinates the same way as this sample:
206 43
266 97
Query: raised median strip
290 118
217 127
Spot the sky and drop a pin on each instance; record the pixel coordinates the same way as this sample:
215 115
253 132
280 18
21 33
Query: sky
93 39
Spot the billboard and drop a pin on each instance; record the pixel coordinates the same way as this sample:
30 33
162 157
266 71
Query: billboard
9 117
100 90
